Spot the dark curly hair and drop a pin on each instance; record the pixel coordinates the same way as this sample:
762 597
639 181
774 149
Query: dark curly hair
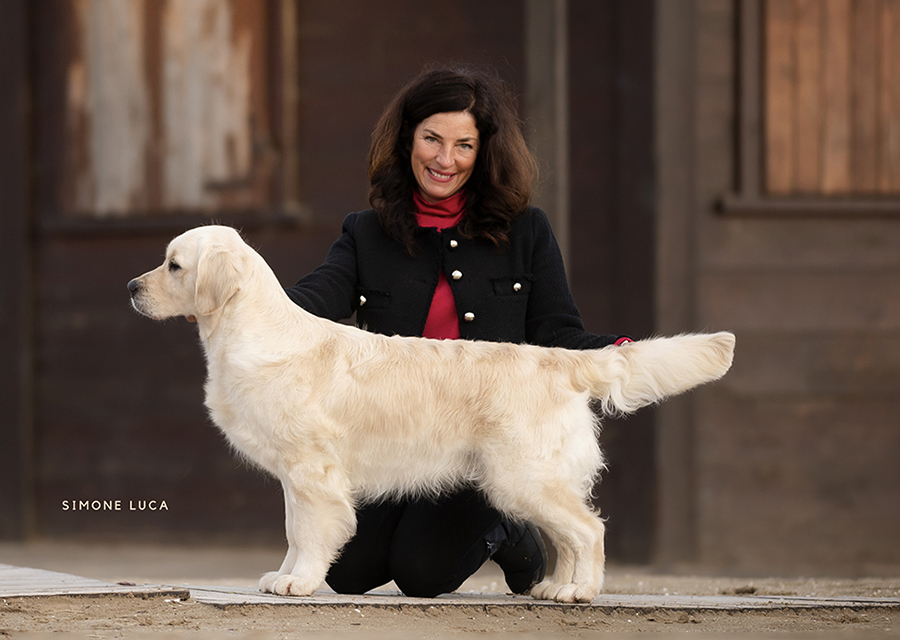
499 188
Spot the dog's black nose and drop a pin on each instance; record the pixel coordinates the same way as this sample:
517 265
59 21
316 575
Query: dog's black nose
133 286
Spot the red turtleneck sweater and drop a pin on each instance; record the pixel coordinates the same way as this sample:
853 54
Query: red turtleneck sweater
442 322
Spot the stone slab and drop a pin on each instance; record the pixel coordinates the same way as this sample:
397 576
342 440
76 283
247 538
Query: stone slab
25 582
225 596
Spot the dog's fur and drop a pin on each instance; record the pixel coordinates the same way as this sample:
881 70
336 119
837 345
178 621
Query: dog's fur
340 415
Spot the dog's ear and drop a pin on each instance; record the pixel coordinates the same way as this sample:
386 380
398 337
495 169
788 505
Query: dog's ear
219 276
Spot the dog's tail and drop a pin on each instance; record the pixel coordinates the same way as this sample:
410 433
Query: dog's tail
641 373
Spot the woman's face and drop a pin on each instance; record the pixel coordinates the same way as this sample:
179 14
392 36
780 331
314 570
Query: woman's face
443 154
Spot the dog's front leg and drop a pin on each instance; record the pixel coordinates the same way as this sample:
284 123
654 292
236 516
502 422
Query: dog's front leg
319 520
267 582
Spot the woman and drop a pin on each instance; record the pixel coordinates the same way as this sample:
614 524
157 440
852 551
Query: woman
450 249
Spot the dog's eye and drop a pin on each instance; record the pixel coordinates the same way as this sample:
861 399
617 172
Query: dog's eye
174 266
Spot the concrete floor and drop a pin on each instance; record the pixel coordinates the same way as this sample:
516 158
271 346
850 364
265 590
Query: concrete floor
73 590
221 570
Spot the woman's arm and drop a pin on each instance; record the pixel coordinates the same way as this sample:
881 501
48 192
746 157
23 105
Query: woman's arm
553 319
330 290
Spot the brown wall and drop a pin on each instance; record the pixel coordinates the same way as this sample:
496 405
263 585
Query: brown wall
15 275
788 464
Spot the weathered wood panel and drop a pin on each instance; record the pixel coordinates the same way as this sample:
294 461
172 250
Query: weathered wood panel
167 106
830 97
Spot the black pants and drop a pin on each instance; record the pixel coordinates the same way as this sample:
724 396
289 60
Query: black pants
426 546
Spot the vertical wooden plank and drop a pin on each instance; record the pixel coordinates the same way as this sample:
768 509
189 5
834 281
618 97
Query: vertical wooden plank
864 96
611 101
289 105
780 71
16 347
634 269
807 112
750 107
107 92
836 143
251 29
546 91
213 103
675 123
889 98
153 185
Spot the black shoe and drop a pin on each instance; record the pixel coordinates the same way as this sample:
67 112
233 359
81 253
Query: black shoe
522 556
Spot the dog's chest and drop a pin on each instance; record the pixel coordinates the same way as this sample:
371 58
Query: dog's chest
242 420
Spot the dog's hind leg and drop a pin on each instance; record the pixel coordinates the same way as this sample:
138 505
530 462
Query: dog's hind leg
577 535
565 565
551 490
575 531
320 519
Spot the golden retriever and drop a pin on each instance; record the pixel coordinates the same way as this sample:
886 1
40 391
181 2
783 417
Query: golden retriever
340 415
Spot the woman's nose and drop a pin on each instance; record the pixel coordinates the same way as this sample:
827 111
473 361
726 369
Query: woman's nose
445 156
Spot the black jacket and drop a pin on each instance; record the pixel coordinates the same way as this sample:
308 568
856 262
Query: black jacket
517 295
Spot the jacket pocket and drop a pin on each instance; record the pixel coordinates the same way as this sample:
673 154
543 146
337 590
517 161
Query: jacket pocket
372 299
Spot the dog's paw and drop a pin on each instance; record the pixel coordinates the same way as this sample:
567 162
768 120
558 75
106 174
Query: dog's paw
267 582
570 592
286 584
544 590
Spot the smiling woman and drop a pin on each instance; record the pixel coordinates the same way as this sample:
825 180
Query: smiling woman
445 147
450 249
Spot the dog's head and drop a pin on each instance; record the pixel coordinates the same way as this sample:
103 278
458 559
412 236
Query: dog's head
204 268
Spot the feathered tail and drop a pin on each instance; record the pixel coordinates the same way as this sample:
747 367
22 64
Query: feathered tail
641 373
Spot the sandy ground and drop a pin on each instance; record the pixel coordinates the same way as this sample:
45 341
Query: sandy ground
129 617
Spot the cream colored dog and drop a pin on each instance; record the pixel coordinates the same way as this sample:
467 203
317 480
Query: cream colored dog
340 415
